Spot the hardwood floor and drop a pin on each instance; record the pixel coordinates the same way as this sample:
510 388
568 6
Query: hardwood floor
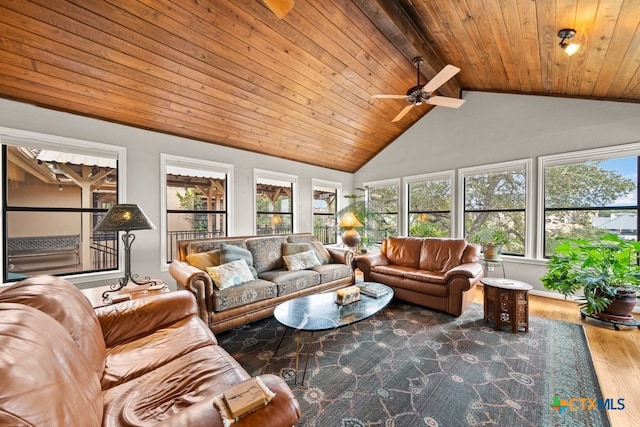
615 355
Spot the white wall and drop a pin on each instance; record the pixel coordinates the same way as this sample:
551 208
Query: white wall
143 173
491 128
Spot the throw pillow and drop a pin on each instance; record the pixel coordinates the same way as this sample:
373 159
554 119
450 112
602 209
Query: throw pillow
230 253
230 274
321 252
204 259
301 261
295 248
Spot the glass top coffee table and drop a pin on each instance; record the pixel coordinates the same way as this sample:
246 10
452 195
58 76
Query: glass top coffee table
320 312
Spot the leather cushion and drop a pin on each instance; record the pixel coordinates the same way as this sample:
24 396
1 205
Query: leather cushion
441 255
45 378
404 251
64 302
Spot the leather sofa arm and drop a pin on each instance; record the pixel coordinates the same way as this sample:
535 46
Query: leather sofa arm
283 410
129 319
341 256
366 262
198 283
470 270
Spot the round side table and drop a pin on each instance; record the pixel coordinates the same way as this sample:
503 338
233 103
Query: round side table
506 303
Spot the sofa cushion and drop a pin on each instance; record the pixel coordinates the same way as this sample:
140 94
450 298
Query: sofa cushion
64 302
425 276
331 272
235 296
402 251
172 388
132 359
392 270
295 248
267 252
291 281
230 274
229 253
321 252
204 259
440 255
301 260
471 254
206 245
45 378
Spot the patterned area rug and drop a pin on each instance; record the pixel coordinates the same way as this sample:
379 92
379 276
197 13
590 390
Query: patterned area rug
410 366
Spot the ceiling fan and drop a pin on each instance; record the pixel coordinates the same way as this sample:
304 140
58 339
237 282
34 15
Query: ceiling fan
279 7
424 93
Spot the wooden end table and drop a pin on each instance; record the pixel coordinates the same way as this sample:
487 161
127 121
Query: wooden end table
506 303
131 291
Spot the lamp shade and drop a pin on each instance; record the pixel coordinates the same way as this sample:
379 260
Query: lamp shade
124 217
349 220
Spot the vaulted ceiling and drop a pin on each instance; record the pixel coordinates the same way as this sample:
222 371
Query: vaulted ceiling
230 72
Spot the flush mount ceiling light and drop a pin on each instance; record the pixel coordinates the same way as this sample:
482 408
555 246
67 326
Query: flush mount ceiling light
565 34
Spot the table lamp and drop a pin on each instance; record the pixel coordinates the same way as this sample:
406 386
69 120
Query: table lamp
125 217
349 222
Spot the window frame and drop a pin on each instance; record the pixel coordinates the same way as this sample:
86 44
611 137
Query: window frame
338 191
390 182
169 160
19 137
275 176
529 199
435 176
581 156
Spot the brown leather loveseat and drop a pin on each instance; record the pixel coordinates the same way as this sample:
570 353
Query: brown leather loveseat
148 361
432 272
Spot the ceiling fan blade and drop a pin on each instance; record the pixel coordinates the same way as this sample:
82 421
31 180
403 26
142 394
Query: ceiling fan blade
403 113
441 78
279 7
444 101
381 95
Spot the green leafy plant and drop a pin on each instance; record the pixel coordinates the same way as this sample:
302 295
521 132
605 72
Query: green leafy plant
489 237
597 268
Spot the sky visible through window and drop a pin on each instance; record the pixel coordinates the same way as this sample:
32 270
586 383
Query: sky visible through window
627 167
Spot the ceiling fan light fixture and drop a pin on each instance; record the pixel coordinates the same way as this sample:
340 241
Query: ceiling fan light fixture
569 48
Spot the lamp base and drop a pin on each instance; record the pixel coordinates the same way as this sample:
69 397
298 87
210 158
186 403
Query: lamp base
124 282
351 238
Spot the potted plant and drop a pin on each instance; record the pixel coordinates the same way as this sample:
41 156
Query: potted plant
491 240
605 270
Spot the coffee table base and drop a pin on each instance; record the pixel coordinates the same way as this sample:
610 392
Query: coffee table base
298 349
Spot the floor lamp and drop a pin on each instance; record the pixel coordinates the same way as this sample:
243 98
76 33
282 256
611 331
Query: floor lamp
125 217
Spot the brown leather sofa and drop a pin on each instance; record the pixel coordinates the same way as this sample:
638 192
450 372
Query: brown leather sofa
223 309
437 273
148 361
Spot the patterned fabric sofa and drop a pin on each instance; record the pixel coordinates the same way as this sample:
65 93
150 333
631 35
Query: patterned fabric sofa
281 271
437 273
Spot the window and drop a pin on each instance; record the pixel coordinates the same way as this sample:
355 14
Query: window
325 200
590 193
382 200
495 196
429 200
195 200
56 190
274 202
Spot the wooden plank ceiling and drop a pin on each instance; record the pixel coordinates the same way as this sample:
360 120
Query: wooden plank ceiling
230 72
